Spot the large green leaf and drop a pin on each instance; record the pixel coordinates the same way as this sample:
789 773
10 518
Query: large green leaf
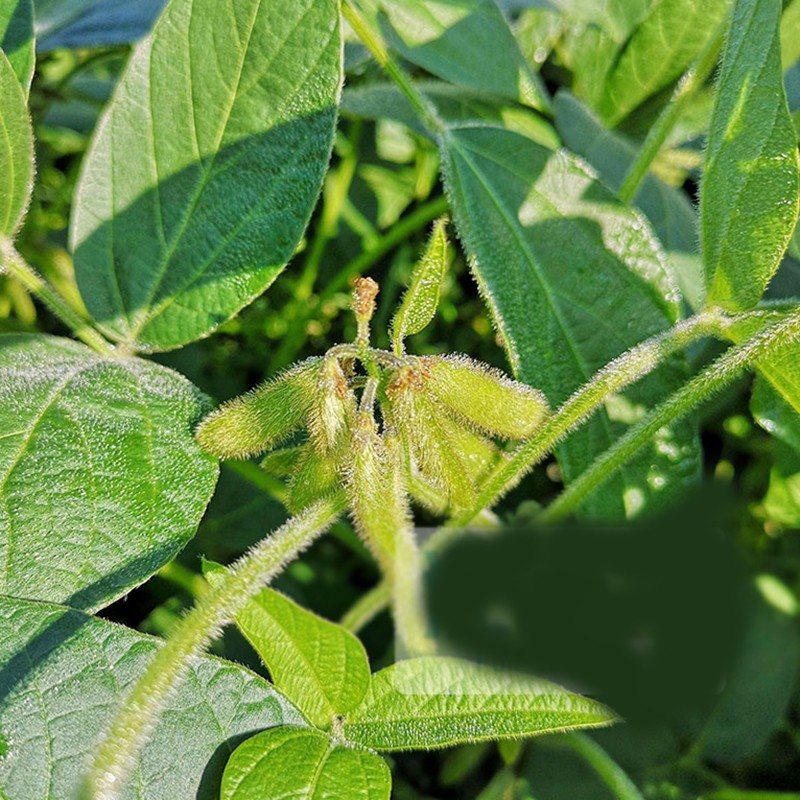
63 676
447 36
435 701
202 175
320 665
303 765
662 46
101 481
16 38
574 278
751 181
669 210
16 151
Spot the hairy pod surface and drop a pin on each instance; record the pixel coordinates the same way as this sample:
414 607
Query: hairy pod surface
315 475
264 417
484 397
334 409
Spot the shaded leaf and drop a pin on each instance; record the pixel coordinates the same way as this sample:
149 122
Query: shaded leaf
437 34
422 703
16 38
573 278
92 23
16 151
205 168
101 451
63 676
751 180
303 765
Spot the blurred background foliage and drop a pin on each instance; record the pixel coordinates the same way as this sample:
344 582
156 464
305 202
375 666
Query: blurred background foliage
379 199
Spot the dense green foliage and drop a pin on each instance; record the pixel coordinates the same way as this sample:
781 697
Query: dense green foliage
568 236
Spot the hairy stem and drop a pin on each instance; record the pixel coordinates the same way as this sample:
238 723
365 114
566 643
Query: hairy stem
615 376
688 85
617 780
116 756
711 380
16 266
373 41
367 607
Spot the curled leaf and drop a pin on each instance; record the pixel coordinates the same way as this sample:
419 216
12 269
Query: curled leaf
485 398
263 417
419 303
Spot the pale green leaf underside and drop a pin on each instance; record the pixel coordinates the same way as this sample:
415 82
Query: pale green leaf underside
660 49
101 481
751 184
574 278
202 175
16 151
430 702
63 676
320 666
775 414
16 38
446 37
303 765
669 210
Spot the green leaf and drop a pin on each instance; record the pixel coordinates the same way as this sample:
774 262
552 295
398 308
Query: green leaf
661 48
303 765
669 210
99 450
62 679
775 414
16 151
573 278
320 665
433 701
204 170
92 23
446 37
790 41
419 303
751 180
16 38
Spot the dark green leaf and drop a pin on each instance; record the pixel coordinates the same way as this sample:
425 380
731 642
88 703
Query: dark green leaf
63 676
303 765
447 38
202 175
423 703
667 208
16 151
92 23
16 38
664 44
101 481
751 185
574 278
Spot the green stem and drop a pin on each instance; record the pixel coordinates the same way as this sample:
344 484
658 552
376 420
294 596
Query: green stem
615 376
116 756
367 607
14 265
374 43
692 80
609 771
711 380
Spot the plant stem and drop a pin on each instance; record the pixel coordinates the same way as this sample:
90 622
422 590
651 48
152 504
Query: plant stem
374 43
16 266
615 376
367 607
116 755
711 380
609 771
691 81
